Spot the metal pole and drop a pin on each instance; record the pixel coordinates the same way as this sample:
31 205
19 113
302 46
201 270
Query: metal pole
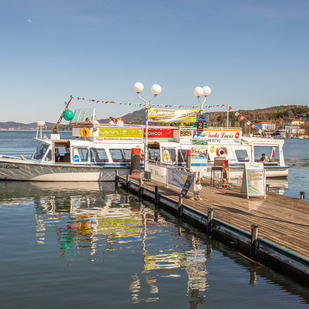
61 116
227 116
254 236
302 195
146 139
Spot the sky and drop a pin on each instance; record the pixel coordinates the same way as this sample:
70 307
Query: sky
252 54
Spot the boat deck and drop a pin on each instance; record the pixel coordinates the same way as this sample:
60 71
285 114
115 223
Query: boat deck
281 220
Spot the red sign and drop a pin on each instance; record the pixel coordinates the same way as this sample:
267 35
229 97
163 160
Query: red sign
160 133
200 126
237 135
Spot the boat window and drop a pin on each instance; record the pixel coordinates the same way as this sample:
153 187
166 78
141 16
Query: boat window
182 155
154 154
62 153
242 155
172 154
169 155
127 154
117 155
98 155
40 151
80 154
48 156
271 152
121 155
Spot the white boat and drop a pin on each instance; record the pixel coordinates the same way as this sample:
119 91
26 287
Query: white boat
95 152
220 143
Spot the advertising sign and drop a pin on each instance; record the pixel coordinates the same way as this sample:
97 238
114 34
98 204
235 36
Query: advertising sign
202 118
199 138
186 186
172 115
177 178
254 180
152 133
121 133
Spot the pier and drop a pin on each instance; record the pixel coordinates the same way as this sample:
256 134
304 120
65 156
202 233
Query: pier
275 228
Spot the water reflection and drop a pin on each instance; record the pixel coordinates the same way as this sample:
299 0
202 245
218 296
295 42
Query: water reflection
92 220
156 253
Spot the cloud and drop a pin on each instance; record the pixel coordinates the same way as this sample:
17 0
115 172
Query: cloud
29 20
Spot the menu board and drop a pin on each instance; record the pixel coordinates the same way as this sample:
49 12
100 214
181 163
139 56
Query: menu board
254 180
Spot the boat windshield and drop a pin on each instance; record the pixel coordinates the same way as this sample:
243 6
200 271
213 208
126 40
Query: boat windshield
40 151
242 155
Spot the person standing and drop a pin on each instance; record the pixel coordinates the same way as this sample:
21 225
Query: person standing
119 122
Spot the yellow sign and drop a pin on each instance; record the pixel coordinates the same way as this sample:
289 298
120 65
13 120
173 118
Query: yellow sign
166 156
212 149
121 132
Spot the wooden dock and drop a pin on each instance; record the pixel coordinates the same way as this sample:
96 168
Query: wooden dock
283 222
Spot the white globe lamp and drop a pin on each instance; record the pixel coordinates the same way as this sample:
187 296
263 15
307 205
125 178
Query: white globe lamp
138 87
207 91
156 89
198 91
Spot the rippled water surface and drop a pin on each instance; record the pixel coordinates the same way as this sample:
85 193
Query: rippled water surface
86 245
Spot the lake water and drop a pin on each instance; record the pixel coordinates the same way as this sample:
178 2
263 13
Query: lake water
83 245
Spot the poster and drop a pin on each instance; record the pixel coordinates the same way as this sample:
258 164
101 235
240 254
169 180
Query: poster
199 158
254 180
172 115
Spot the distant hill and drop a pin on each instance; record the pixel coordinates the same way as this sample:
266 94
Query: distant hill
277 114
136 117
21 126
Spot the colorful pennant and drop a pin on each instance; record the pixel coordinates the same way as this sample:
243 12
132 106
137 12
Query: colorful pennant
152 105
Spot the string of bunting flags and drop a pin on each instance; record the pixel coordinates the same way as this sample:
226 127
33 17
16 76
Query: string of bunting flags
151 105
249 123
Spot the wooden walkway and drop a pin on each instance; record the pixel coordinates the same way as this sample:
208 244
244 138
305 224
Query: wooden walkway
281 220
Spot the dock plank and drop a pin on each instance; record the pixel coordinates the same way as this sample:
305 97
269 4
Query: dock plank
282 220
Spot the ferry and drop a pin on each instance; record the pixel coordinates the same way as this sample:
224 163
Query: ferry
97 152
215 145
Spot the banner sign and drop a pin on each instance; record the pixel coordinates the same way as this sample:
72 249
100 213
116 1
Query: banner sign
172 115
121 133
254 180
178 178
152 133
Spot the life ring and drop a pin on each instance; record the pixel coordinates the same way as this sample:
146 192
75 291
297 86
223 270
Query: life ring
221 151
85 132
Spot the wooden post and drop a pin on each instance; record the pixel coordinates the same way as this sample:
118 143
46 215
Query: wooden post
156 195
302 195
127 182
140 189
180 207
116 179
210 220
254 236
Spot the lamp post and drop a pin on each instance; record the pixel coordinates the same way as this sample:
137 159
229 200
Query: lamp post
155 90
199 91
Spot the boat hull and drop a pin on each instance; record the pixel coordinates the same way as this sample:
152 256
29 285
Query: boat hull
24 170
